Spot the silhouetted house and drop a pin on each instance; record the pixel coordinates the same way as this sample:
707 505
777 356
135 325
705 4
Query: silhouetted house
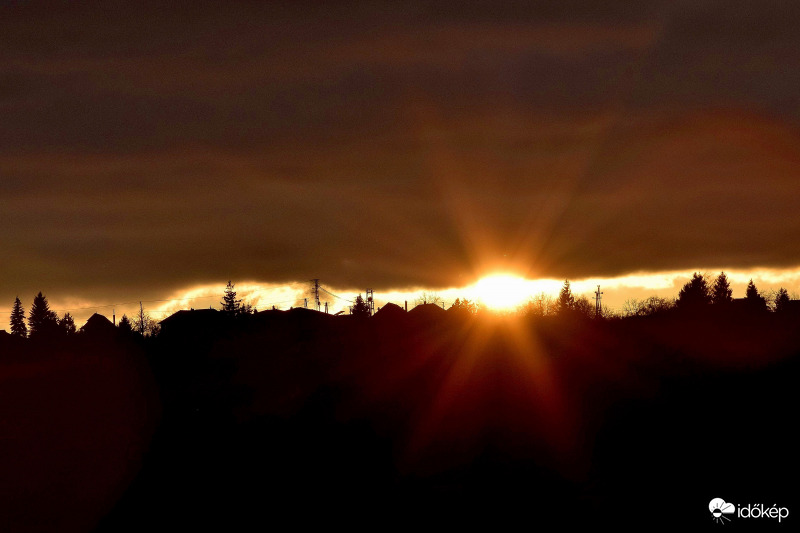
390 311
98 326
192 323
744 305
427 313
294 314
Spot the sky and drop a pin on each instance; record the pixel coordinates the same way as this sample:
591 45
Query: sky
151 152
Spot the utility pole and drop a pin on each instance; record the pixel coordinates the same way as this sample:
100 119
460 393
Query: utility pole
141 319
598 310
316 293
326 308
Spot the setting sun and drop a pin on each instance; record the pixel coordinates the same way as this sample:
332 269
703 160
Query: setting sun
502 291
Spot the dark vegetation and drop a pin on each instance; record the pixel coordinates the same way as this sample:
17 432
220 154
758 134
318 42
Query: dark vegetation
241 420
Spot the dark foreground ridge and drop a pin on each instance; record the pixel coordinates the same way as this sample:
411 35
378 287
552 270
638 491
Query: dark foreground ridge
401 419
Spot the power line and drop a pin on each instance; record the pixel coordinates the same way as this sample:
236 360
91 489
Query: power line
335 295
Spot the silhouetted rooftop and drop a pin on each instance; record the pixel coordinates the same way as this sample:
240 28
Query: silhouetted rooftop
390 310
427 312
97 323
190 314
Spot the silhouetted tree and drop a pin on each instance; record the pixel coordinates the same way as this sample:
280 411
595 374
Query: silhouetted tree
428 298
230 305
42 322
647 307
67 324
781 300
464 306
695 294
566 301
361 307
721 293
145 325
584 307
125 324
540 305
18 326
755 301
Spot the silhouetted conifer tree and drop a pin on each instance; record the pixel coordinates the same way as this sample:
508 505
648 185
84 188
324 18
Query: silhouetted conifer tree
18 326
721 292
125 324
42 322
754 300
781 300
230 305
566 301
360 307
67 324
695 294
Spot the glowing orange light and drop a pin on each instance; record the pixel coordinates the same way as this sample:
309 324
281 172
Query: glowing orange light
502 292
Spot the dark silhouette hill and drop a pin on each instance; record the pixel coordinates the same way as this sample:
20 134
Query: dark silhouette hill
76 421
454 420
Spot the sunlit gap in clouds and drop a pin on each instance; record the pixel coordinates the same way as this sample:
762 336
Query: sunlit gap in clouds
506 291
499 291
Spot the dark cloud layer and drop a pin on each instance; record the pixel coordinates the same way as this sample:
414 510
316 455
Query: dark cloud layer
144 148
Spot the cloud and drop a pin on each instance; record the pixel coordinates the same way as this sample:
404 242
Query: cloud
393 145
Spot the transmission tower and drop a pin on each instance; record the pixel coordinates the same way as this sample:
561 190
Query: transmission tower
370 302
598 310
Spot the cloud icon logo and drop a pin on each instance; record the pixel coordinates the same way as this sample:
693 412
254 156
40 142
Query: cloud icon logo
719 508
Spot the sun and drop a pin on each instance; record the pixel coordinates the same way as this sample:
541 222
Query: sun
502 292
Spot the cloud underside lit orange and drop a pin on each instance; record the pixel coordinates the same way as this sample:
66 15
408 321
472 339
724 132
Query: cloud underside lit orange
393 149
